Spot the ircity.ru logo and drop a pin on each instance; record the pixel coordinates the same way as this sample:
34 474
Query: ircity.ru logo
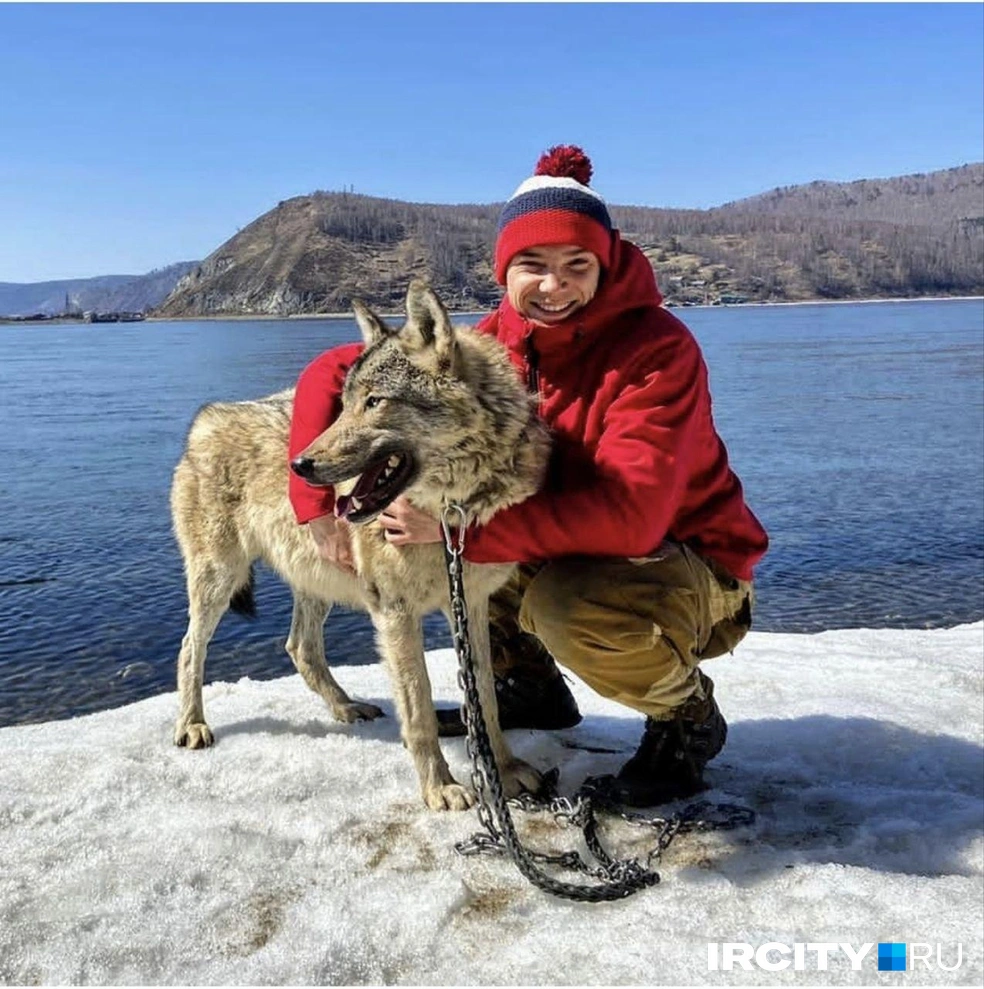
774 956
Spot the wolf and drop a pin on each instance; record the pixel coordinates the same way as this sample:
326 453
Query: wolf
430 410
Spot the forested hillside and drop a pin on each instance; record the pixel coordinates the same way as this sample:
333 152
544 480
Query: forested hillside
889 238
912 200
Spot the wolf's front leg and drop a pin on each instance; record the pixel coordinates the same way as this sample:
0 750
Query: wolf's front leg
401 643
516 774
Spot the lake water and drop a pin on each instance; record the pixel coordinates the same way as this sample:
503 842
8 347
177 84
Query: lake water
857 430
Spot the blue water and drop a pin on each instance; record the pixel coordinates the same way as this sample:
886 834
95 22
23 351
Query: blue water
858 431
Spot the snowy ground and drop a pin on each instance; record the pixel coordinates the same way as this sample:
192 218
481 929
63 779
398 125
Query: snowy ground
297 850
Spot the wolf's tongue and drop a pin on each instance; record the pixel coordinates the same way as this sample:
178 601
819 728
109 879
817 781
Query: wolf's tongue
362 491
367 482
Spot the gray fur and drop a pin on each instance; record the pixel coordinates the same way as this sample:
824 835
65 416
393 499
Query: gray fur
452 401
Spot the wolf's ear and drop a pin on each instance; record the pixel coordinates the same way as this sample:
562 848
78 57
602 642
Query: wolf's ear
428 323
373 328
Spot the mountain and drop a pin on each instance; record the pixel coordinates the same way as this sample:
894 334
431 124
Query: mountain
315 253
105 293
899 237
875 238
933 199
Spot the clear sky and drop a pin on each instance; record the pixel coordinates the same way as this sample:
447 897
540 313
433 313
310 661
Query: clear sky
136 135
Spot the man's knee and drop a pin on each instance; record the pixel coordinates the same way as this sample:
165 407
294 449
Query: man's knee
581 611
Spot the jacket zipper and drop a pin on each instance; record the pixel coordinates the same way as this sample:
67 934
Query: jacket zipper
532 367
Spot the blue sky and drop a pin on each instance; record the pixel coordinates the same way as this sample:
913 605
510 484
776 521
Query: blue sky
132 136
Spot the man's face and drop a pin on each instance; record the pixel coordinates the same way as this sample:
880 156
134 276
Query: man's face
546 284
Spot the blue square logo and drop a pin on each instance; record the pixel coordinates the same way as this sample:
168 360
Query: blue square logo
891 956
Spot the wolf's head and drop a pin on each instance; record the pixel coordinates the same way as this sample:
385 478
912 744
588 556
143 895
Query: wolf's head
427 411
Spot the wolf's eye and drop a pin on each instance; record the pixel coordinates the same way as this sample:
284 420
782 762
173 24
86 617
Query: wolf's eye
373 400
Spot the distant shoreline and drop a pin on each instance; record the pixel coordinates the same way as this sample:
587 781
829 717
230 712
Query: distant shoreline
258 317
483 312
842 302
306 315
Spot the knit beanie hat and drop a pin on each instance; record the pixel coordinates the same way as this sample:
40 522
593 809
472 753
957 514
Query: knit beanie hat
555 206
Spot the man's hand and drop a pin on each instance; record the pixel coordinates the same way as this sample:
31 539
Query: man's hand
406 525
334 542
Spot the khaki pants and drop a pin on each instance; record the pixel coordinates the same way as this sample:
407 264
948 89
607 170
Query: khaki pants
634 630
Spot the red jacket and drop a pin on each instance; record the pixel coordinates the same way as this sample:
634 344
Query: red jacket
317 404
636 458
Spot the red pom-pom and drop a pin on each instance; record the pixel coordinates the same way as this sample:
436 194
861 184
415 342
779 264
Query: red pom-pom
565 161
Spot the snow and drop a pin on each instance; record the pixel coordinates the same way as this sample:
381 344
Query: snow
298 850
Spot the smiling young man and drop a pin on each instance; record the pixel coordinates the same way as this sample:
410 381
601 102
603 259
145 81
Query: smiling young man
637 553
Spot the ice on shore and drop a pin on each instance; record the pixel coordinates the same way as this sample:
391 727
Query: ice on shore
297 850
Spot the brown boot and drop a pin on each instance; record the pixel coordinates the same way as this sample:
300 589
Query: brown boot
669 763
530 690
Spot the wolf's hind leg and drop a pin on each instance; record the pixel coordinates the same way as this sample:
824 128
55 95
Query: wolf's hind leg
401 644
306 648
210 588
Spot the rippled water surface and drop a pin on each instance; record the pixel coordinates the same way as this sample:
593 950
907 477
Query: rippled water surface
858 431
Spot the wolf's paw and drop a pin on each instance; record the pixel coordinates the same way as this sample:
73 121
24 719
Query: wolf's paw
450 796
193 736
519 776
357 711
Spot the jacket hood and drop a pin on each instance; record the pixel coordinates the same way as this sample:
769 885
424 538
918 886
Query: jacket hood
629 284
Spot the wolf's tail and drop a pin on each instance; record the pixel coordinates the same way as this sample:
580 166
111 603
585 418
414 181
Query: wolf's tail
242 601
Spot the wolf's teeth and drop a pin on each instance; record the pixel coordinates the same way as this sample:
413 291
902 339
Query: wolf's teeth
348 485
356 503
393 461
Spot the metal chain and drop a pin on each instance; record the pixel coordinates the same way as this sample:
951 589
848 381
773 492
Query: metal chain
595 795
618 878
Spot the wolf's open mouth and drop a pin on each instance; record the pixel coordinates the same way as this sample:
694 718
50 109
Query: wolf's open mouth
375 488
